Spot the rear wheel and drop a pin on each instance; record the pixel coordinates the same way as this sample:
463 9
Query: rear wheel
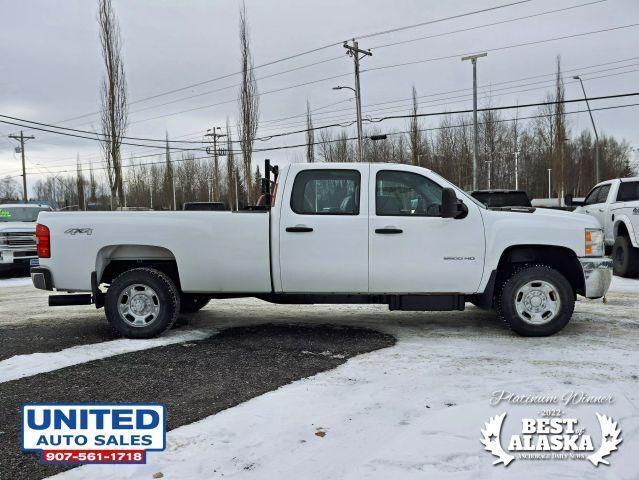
625 258
536 301
142 303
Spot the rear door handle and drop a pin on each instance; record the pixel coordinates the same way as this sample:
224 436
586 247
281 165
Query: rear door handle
299 229
389 231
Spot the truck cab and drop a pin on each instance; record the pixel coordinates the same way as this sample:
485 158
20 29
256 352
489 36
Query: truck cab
391 234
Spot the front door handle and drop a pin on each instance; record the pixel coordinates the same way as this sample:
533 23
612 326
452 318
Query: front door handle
299 229
389 231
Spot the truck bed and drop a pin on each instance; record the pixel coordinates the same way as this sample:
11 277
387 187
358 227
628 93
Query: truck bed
222 251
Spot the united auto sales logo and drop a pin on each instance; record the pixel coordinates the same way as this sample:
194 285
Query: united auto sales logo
93 433
551 434
79 231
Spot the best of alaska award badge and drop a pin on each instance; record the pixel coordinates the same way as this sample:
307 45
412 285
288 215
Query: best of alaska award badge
551 434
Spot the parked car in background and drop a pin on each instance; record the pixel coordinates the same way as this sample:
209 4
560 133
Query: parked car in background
17 234
208 206
391 234
615 203
502 198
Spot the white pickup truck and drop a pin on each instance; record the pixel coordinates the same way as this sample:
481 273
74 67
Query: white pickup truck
17 234
331 233
615 203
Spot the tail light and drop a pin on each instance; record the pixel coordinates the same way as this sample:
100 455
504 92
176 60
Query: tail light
43 240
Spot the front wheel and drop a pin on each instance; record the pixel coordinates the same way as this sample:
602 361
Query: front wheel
142 303
536 301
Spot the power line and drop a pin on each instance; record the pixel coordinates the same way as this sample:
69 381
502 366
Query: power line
443 127
306 52
509 107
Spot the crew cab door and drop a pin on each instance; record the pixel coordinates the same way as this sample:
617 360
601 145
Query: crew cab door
323 230
596 204
412 248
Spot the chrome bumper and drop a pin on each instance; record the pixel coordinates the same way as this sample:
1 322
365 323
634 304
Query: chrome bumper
597 276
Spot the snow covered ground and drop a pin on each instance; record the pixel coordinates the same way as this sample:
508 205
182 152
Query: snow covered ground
15 282
414 410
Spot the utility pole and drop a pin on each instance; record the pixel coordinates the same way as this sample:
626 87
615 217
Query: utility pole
577 77
213 133
21 138
473 59
355 52
549 188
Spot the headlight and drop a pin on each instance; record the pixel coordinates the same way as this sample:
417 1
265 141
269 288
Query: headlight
594 241
3 239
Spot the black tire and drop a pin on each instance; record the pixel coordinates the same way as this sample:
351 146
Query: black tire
158 296
625 258
534 276
192 303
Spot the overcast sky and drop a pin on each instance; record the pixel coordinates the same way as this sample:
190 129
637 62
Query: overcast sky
50 65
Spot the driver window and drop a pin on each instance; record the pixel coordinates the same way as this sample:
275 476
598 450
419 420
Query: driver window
406 194
591 198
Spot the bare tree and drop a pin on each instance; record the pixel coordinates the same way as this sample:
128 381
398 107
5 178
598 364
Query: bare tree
169 179
9 188
80 186
414 133
93 185
559 121
113 98
249 105
310 135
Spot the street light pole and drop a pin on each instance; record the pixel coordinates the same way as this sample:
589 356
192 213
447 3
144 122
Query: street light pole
549 192
473 59
489 162
592 120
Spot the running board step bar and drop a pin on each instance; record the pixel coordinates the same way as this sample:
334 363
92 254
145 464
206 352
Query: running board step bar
65 300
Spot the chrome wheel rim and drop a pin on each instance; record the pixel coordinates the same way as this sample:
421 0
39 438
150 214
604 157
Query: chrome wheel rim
139 305
537 302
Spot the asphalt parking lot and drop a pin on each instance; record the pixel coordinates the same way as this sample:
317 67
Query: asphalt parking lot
258 347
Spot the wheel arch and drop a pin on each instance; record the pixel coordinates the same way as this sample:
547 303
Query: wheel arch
563 259
112 260
623 227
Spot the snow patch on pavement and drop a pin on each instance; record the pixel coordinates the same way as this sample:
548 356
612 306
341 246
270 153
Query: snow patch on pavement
20 366
624 285
15 282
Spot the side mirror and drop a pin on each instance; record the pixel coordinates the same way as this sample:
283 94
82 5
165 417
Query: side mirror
568 199
452 207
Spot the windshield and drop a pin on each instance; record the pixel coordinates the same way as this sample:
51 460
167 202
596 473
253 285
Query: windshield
20 214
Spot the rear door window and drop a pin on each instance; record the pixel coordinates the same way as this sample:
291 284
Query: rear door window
326 192
628 192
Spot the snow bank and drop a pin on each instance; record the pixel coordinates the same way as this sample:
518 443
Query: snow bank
20 366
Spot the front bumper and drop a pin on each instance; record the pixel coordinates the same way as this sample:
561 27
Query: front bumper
597 276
